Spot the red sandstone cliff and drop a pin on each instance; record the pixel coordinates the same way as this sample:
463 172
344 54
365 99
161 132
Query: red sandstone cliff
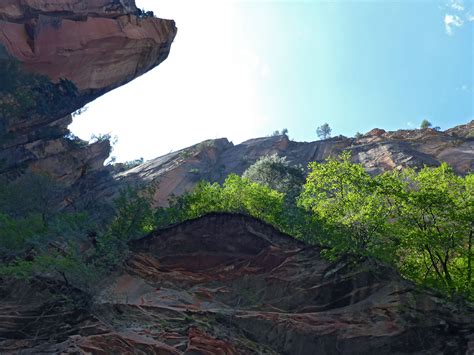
57 55
230 284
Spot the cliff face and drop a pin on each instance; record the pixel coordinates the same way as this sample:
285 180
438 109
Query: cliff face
230 284
55 57
377 151
98 45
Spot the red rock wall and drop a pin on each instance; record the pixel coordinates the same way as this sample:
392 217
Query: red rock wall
98 46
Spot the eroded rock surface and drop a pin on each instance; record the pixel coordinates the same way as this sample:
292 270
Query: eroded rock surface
377 151
230 284
56 56
98 45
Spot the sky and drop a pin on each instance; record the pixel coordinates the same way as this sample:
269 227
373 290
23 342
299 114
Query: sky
243 69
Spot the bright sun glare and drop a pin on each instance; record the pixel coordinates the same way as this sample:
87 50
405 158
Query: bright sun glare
207 88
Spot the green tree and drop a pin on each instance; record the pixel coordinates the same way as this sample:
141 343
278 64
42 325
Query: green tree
30 194
435 220
134 218
425 124
276 173
351 206
324 131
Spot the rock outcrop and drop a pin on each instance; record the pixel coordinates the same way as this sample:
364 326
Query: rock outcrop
230 284
55 56
378 151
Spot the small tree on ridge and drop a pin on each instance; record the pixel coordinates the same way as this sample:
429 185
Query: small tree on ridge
324 131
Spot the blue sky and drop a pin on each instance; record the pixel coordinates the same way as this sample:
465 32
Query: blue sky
242 69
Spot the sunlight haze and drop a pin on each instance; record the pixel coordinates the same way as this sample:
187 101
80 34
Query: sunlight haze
242 69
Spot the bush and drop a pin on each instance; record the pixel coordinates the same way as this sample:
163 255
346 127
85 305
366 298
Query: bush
276 173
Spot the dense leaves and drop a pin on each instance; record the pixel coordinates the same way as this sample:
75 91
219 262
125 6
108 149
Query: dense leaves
435 217
421 222
237 194
277 173
353 208
24 94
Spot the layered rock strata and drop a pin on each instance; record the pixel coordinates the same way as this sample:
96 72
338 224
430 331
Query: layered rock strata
230 284
55 56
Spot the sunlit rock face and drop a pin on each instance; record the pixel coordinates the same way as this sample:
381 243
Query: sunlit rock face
378 151
97 45
230 284
56 56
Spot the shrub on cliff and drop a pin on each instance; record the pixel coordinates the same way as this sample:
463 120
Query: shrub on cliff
236 194
24 93
36 238
276 173
134 218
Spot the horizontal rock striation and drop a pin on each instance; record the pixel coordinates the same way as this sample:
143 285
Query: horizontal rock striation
57 55
97 45
230 284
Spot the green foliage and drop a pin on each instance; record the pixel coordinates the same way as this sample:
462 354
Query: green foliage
276 173
134 218
352 206
75 140
425 124
99 138
435 219
420 221
358 135
31 194
23 93
19 235
205 145
132 163
237 194
36 238
185 154
283 132
324 131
